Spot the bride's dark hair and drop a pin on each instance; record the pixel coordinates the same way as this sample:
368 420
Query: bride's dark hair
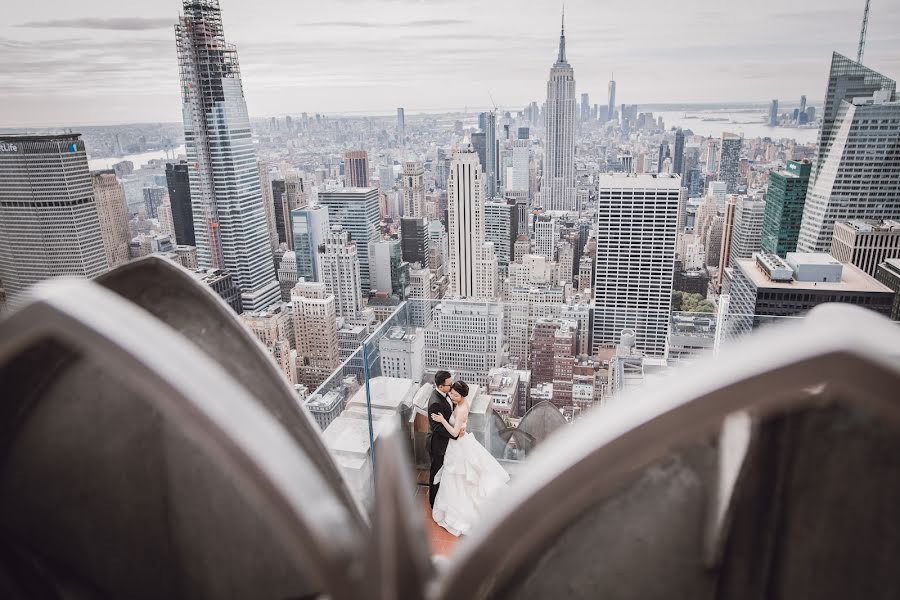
461 388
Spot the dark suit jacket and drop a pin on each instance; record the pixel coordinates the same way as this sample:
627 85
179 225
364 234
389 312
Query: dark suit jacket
438 436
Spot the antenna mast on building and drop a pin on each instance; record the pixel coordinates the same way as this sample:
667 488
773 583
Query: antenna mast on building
862 35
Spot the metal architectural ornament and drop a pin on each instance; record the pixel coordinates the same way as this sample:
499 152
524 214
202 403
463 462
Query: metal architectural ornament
152 449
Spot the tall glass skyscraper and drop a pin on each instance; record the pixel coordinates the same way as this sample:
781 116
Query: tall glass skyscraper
678 153
729 161
179 185
310 227
490 154
356 210
857 169
847 79
229 217
785 199
356 168
558 186
611 106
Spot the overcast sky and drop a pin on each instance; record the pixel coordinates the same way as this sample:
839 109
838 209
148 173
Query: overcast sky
66 63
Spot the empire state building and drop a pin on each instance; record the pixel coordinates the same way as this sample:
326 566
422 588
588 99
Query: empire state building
558 184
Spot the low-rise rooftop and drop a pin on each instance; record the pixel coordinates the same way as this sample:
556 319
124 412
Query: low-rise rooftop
852 280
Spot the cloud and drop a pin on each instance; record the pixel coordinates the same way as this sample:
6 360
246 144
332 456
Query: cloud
373 25
113 24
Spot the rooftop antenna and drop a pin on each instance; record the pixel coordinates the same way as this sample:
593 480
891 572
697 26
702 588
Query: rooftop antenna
862 35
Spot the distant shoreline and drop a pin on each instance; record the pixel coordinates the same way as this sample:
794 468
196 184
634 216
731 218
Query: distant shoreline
410 112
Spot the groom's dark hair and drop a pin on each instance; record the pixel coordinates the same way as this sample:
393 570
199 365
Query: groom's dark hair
440 377
461 388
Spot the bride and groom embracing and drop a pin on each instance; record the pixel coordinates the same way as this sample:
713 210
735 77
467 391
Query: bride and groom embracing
464 475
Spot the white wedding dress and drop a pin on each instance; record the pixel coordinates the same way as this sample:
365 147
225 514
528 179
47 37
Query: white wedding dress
469 479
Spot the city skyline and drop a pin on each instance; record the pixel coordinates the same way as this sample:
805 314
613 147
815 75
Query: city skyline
111 69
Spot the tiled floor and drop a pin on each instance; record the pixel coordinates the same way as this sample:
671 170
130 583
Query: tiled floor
441 541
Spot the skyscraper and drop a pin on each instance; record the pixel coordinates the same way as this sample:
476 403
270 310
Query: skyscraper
479 145
611 108
585 107
725 243
420 280
748 224
357 211
280 213
177 180
712 156
49 224
413 189
401 126
268 198
390 273
473 266
491 157
356 168
712 241
339 271
803 104
166 224
746 232
661 157
546 236
729 161
501 227
229 217
521 166
414 240
287 274
773 113
678 155
154 196
310 226
856 170
847 79
637 223
295 195
315 326
110 200
785 198
558 184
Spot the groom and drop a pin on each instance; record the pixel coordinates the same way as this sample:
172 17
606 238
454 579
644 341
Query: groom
438 436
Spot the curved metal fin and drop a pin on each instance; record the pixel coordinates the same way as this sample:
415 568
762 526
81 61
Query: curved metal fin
211 408
171 294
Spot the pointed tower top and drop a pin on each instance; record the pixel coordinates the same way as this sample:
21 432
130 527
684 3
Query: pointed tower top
561 59
466 146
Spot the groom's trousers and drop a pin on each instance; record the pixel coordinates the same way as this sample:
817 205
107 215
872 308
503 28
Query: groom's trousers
437 461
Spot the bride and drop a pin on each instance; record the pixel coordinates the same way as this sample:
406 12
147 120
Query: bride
470 475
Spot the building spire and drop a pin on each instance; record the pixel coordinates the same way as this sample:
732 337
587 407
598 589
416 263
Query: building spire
562 38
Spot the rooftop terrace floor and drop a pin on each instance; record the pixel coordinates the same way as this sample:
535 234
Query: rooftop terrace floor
441 541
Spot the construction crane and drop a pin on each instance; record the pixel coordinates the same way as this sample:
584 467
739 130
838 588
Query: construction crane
862 35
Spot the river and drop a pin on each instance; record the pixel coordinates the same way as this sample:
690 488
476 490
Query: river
749 123
98 164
